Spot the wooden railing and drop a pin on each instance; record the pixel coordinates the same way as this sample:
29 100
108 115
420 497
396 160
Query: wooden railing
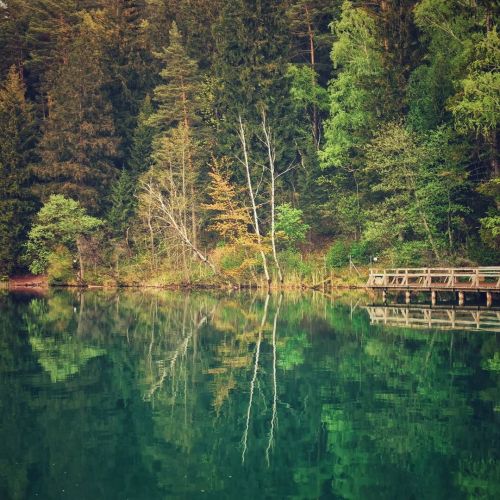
435 318
457 278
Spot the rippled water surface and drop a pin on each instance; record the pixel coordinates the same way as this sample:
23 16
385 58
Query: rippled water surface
143 395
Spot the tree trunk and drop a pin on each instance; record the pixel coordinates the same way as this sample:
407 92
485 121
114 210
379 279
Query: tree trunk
312 55
271 157
252 199
494 155
80 258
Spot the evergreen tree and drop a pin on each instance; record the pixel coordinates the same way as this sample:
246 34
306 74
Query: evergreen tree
358 96
142 141
14 20
476 106
123 202
176 98
195 19
79 145
250 66
176 147
16 152
129 63
48 39
357 90
123 191
449 31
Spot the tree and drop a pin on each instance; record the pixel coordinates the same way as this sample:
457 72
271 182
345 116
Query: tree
356 90
177 125
61 221
79 144
309 21
230 219
123 203
48 38
17 143
129 63
358 93
250 64
142 141
14 19
476 106
421 179
289 224
124 190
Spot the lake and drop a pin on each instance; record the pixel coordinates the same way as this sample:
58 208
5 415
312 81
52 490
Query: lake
155 394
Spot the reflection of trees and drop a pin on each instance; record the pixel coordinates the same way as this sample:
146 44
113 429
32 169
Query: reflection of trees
254 378
60 353
173 381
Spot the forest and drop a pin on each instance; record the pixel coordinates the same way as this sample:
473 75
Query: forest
246 141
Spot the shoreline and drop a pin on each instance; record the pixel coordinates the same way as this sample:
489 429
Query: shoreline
179 286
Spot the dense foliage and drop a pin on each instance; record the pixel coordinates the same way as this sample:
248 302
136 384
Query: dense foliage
216 137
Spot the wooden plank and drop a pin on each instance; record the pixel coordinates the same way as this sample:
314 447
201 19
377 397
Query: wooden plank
480 279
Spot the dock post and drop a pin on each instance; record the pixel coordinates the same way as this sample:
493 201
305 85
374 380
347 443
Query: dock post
433 297
407 296
489 299
461 298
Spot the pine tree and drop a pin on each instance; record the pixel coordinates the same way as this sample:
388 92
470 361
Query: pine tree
176 147
230 219
124 189
129 63
79 145
142 141
16 152
123 203
176 96
48 39
250 65
309 25
195 19
14 20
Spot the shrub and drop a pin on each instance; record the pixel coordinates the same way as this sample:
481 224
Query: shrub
338 254
411 253
292 262
289 224
60 266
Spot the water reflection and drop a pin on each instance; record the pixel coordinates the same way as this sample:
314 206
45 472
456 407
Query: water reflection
171 395
436 317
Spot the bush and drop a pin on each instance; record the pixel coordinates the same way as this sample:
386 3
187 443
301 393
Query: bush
289 224
338 254
292 262
236 262
60 266
411 253
362 251
482 254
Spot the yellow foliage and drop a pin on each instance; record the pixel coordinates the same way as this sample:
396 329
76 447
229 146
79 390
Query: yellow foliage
231 219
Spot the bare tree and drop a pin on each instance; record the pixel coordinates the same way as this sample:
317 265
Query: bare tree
168 214
251 192
271 156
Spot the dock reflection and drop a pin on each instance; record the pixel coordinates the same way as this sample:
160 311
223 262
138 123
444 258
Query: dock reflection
437 317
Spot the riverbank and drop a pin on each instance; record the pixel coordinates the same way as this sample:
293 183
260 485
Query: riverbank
343 278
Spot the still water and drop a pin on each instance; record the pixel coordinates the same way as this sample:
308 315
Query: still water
146 395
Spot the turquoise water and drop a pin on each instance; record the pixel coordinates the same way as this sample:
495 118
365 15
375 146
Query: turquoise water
138 395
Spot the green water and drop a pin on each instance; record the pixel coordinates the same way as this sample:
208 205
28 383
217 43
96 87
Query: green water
138 395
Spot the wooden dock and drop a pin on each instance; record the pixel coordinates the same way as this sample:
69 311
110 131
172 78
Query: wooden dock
441 279
440 318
